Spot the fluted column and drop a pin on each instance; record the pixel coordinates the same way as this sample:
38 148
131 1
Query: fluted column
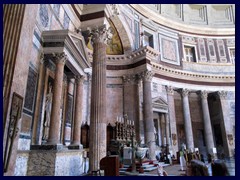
13 15
54 129
148 113
172 118
207 122
187 119
98 134
226 125
76 144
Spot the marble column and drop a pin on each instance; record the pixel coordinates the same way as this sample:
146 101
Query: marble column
137 108
159 132
187 120
207 122
55 119
172 118
148 114
167 129
226 125
98 125
65 92
89 77
76 144
162 130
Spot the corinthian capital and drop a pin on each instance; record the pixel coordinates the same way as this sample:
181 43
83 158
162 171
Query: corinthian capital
170 90
129 79
147 75
222 94
184 92
60 57
101 34
79 79
203 94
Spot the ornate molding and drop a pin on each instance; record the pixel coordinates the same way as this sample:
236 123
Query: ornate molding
101 34
167 71
147 75
170 90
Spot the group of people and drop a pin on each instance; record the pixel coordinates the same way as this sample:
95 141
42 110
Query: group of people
185 157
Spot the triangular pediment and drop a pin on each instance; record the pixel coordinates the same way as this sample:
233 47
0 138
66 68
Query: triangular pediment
159 100
80 46
159 105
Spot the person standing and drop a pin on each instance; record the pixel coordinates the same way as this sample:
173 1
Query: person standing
182 160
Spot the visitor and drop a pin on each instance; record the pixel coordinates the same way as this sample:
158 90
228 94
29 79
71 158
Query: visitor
182 160
160 171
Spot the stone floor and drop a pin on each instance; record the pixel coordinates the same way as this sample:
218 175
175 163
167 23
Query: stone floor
174 170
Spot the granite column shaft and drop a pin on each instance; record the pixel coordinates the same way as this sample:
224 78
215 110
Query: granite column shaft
148 114
55 121
187 120
207 122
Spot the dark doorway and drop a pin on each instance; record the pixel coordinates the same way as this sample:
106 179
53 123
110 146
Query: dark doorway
85 136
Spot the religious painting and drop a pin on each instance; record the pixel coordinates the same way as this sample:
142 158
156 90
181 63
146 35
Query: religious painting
15 115
169 50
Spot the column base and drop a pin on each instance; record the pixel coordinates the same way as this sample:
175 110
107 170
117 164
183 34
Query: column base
47 147
75 146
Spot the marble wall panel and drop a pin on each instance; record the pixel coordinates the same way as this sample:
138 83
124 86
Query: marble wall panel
69 164
21 164
24 144
179 110
26 123
114 102
30 90
56 163
41 163
195 109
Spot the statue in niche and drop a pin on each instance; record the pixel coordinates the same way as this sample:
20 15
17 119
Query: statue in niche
48 108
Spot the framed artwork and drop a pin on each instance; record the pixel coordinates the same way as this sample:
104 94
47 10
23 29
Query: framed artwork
15 115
